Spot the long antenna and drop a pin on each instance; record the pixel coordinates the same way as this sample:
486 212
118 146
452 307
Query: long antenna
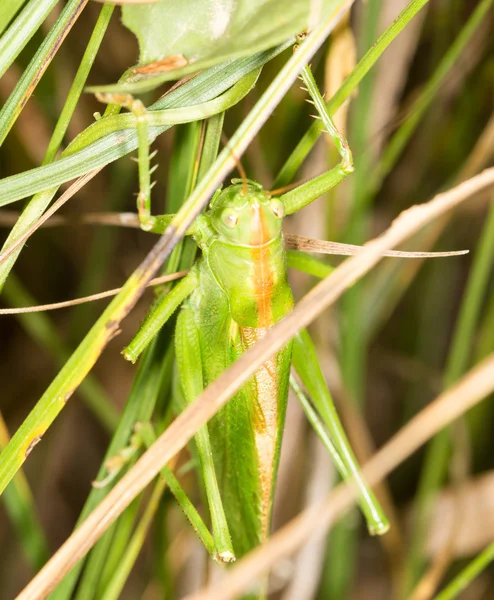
240 168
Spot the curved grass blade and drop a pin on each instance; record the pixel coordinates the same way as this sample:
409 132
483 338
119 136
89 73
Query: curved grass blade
123 140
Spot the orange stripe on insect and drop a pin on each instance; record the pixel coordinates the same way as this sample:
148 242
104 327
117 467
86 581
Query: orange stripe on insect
266 422
263 270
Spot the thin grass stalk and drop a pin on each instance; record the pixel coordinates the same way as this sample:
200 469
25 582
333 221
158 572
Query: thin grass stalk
20 507
299 154
343 542
467 575
115 586
139 407
438 452
38 65
122 533
40 201
40 327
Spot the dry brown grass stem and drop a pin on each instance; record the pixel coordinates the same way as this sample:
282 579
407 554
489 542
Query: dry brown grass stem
218 393
78 184
85 299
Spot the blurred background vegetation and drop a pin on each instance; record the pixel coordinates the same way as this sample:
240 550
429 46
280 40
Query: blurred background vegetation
420 122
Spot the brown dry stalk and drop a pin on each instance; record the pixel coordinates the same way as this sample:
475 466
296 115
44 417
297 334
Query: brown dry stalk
219 392
472 388
84 299
78 184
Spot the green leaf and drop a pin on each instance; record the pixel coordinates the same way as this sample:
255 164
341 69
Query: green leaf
212 31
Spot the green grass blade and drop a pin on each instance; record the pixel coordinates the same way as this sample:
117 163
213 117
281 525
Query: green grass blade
353 350
71 375
465 578
42 330
383 304
22 30
299 154
8 9
139 407
117 582
436 459
38 65
123 139
20 507
79 82
399 140
109 558
38 204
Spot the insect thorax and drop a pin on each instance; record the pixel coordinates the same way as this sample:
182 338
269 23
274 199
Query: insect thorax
254 279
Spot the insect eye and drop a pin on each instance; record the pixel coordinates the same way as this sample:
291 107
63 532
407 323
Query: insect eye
278 209
230 219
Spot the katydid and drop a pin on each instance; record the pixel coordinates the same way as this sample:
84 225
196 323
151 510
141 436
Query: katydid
234 293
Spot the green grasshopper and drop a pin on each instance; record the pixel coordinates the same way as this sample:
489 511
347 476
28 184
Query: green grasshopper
230 298
233 294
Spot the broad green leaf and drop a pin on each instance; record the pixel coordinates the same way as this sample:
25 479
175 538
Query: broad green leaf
183 36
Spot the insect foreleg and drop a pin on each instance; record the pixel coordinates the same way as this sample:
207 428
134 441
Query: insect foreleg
189 362
307 366
313 189
158 315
